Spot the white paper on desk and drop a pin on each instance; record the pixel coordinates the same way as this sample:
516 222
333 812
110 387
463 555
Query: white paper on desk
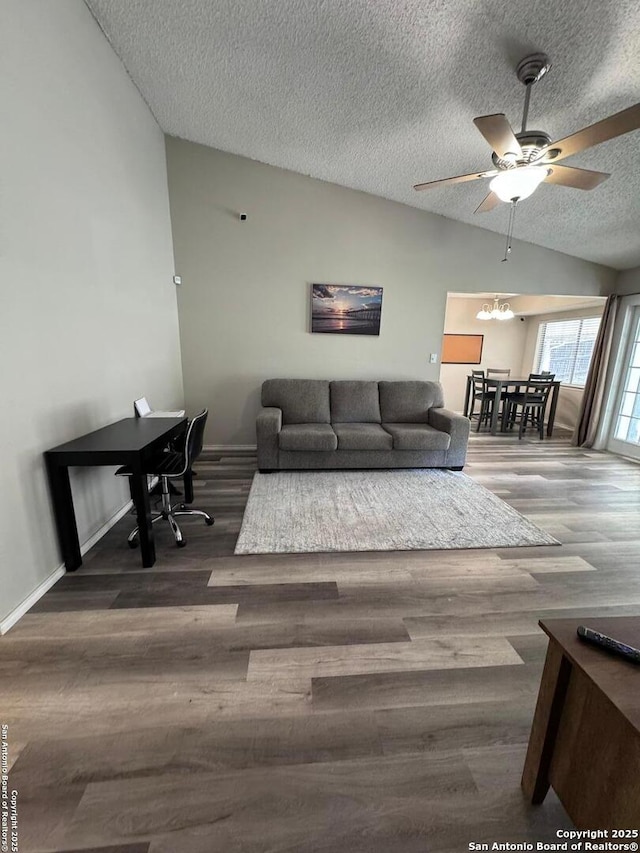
142 407
157 414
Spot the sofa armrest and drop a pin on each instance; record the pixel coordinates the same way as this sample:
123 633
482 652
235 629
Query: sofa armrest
457 426
268 425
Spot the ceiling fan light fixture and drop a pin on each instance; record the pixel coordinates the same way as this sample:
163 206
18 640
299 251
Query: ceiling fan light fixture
518 183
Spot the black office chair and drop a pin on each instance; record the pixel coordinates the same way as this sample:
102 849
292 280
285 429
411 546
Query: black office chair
173 466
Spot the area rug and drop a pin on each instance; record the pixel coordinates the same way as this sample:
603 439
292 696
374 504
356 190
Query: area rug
291 512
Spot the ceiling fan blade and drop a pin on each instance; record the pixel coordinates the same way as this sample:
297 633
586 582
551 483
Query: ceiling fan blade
580 179
601 131
459 179
488 203
500 136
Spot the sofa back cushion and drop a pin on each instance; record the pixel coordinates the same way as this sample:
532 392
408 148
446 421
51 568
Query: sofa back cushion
409 402
303 401
355 402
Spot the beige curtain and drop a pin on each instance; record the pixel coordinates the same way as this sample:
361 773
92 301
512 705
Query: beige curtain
594 390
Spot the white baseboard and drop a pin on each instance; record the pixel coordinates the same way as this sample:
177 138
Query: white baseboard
230 448
106 527
10 620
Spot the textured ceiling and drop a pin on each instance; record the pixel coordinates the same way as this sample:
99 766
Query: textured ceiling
378 95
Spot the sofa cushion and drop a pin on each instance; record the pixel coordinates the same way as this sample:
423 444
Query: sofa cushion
417 437
307 437
355 402
303 401
408 402
362 437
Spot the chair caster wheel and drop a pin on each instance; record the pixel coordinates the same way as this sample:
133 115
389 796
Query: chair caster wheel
132 544
209 522
181 543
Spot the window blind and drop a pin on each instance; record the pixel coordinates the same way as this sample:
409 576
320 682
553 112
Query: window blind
565 347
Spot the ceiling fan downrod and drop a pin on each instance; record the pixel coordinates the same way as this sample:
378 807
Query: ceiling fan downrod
529 71
525 112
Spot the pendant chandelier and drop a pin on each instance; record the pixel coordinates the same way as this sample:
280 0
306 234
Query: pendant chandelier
496 312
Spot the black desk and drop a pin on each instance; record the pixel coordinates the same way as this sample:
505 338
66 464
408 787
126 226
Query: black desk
498 386
131 442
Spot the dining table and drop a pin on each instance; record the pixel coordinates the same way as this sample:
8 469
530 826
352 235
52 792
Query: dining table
498 384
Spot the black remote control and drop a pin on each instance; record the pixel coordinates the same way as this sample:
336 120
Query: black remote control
608 643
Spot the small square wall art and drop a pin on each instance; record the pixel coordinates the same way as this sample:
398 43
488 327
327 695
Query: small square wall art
346 309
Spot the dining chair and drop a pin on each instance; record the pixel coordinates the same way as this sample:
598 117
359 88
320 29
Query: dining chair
500 373
544 376
480 394
478 374
527 407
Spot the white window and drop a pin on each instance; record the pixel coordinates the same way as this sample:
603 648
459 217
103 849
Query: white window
627 426
565 347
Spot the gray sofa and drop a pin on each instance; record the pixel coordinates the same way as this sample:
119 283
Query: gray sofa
312 423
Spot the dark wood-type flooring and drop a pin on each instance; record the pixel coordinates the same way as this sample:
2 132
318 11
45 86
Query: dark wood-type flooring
347 703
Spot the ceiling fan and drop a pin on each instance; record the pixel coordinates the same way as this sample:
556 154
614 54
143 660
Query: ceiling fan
524 160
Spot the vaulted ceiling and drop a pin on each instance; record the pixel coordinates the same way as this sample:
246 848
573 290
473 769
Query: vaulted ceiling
378 95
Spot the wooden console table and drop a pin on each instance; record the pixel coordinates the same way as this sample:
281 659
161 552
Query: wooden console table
585 739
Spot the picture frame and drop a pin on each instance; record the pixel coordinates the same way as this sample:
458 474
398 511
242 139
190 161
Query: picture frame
346 309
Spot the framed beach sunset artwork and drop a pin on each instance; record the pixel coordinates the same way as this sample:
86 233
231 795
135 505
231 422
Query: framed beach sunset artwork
345 309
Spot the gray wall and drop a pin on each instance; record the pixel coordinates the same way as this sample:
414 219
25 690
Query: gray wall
244 302
628 282
88 315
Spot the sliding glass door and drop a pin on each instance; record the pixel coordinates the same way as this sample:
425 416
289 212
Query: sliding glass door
625 428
